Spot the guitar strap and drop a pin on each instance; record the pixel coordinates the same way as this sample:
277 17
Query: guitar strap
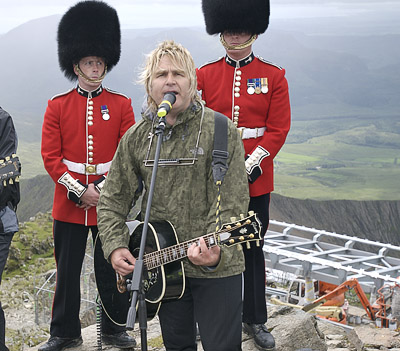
220 159
220 152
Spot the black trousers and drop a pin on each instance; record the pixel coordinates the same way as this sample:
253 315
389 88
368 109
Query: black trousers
254 304
215 304
5 242
69 251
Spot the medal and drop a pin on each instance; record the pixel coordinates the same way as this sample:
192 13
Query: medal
258 86
105 112
264 85
250 86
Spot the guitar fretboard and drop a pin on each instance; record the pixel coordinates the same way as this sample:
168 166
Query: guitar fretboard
176 252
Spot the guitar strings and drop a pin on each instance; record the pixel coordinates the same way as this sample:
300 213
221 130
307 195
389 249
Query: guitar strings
175 252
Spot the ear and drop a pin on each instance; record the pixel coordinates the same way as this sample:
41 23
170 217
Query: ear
75 70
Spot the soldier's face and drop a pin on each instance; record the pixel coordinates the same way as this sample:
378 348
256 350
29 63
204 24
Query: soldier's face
234 39
167 77
92 67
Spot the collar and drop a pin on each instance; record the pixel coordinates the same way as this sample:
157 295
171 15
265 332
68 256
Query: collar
189 113
91 94
243 62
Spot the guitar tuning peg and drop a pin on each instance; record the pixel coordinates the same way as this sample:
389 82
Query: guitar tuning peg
257 243
233 219
251 213
241 216
248 245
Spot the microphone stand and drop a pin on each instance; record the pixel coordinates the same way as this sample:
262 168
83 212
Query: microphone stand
136 285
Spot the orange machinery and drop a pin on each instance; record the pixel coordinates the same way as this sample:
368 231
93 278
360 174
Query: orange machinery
377 310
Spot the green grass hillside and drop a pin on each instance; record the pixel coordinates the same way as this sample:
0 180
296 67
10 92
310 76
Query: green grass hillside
31 251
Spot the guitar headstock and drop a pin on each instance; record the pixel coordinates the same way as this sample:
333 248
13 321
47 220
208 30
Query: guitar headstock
10 168
241 230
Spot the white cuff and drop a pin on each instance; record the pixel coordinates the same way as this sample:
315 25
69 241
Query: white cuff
72 184
255 159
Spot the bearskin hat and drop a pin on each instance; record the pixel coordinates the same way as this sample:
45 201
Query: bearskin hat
238 16
89 28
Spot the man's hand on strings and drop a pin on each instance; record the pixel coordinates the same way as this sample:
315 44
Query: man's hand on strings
199 254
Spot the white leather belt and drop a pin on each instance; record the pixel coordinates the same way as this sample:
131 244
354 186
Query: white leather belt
86 168
249 133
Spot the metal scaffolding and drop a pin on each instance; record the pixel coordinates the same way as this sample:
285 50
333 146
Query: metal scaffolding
330 257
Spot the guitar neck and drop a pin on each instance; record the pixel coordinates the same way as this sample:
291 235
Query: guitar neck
176 252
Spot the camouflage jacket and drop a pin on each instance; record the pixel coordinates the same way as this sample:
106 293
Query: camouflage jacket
184 195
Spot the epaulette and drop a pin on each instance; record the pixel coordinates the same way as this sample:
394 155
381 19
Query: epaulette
268 62
115 92
62 94
210 62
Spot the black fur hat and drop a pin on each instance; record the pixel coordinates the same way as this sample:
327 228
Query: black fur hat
251 16
89 28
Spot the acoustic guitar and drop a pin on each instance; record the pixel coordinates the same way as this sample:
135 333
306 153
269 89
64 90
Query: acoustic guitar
164 275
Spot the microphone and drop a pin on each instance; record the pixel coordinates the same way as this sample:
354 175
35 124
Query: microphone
166 104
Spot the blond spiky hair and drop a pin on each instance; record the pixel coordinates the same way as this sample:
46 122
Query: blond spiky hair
180 57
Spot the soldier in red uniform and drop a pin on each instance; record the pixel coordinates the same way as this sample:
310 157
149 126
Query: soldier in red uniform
81 132
254 94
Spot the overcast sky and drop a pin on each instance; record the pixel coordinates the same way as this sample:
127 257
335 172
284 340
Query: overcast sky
186 13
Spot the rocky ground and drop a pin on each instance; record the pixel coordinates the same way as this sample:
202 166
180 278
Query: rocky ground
294 330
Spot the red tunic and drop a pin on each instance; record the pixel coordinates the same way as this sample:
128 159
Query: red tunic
76 128
226 87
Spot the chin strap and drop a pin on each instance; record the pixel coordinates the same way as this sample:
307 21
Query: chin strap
239 46
90 80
